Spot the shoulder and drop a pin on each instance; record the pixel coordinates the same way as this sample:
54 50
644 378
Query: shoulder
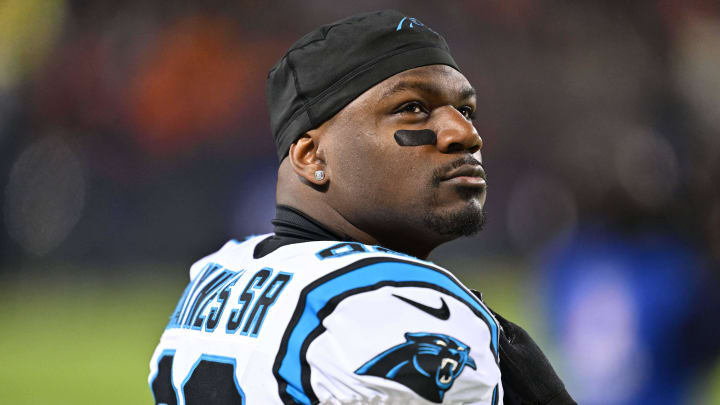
350 268
372 301
379 282
233 254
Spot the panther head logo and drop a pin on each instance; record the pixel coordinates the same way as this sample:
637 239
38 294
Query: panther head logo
427 363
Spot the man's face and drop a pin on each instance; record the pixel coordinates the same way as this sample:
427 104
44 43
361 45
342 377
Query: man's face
428 193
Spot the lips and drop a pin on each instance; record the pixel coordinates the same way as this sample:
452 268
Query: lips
468 174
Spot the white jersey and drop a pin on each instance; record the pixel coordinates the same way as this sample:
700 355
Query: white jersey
325 322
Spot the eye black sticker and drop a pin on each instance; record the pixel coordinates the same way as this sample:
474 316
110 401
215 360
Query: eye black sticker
408 137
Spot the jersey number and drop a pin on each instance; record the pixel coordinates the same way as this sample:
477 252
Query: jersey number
211 381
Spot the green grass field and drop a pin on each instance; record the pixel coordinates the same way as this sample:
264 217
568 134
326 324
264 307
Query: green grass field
65 343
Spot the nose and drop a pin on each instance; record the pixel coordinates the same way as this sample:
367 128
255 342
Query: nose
455 133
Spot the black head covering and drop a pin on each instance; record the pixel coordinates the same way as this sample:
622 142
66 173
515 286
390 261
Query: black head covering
332 65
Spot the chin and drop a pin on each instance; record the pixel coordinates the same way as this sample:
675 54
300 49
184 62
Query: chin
465 221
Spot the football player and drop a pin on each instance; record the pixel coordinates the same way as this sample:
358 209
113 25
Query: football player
379 164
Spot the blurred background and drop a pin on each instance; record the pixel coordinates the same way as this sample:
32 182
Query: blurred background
134 139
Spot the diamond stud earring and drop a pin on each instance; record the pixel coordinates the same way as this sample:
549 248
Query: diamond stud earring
319 175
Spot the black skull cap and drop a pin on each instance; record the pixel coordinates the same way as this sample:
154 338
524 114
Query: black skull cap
331 66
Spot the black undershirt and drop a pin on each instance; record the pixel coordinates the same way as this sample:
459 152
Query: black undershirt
294 226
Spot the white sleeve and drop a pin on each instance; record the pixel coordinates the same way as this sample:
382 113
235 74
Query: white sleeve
390 331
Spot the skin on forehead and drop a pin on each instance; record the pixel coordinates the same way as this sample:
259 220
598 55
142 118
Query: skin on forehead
436 89
390 192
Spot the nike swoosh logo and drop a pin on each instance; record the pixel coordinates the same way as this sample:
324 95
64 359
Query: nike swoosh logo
442 313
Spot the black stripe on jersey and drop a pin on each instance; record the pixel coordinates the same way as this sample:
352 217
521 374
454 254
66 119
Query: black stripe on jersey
334 301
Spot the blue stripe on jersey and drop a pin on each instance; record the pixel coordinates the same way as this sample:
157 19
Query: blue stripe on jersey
317 295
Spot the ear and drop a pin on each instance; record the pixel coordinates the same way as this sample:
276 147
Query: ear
307 161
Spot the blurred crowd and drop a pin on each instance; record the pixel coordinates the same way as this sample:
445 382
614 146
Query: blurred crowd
137 131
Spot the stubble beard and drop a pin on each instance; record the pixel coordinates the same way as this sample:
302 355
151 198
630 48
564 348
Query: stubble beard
456 223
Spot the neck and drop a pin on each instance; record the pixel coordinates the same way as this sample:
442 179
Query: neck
334 222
